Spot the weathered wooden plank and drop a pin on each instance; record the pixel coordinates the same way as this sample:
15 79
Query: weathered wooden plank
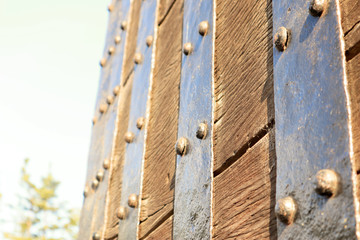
352 42
160 155
244 196
244 103
350 14
164 9
163 232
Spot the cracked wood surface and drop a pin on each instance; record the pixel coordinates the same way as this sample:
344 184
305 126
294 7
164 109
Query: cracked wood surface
163 232
160 155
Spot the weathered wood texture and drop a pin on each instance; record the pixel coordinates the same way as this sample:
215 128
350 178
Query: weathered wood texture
164 8
244 103
163 232
350 20
160 155
245 193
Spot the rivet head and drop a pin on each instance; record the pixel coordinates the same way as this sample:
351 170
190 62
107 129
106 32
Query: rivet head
100 175
122 213
286 210
106 163
188 48
110 99
149 40
96 236
138 58
117 39
182 146
94 120
129 137
202 130
111 50
116 90
327 182
86 191
203 28
103 108
110 7
317 7
133 200
123 25
281 39
95 184
103 62
140 122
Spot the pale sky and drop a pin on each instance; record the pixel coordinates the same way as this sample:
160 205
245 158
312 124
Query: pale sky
49 72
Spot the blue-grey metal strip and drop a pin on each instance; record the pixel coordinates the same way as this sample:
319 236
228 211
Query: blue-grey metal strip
193 183
312 130
134 151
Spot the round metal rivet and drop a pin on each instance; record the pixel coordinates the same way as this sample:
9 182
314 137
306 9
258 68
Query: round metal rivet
188 48
100 175
116 90
129 137
203 28
281 39
86 191
111 50
96 236
110 7
123 25
94 120
103 62
138 58
133 200
103 108
182 146
140 122
117 39
110 99
328 182
122 213
286 210
149 40
202 130
317 7
106 163
95 184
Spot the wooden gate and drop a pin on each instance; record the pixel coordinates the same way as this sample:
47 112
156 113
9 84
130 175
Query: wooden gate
226 120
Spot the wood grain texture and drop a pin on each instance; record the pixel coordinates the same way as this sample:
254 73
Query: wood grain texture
164 8
350 14
160 155
244 101
163 232
244 197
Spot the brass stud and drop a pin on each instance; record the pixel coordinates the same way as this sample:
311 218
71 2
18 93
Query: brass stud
140 122
103 62
328 182
133 200
281 39
103 108
286 210
95 184
110 7
110 99
182 146
96 236
122 213
129 137
117 39
86 191
100 175
203 28
149 40
188 48
202 130
123 25
138 58
116 90
94 120
317 7
111 50
106 163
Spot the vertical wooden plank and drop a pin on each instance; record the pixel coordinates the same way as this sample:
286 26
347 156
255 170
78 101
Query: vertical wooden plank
163 232
244 155
160 155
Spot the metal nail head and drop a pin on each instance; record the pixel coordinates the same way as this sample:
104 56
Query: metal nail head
188 48
106 163
317 7
203 28
202 130
327 183
140 123
281 39
286 210
133 200
182 146
149 40
129 137
122 213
